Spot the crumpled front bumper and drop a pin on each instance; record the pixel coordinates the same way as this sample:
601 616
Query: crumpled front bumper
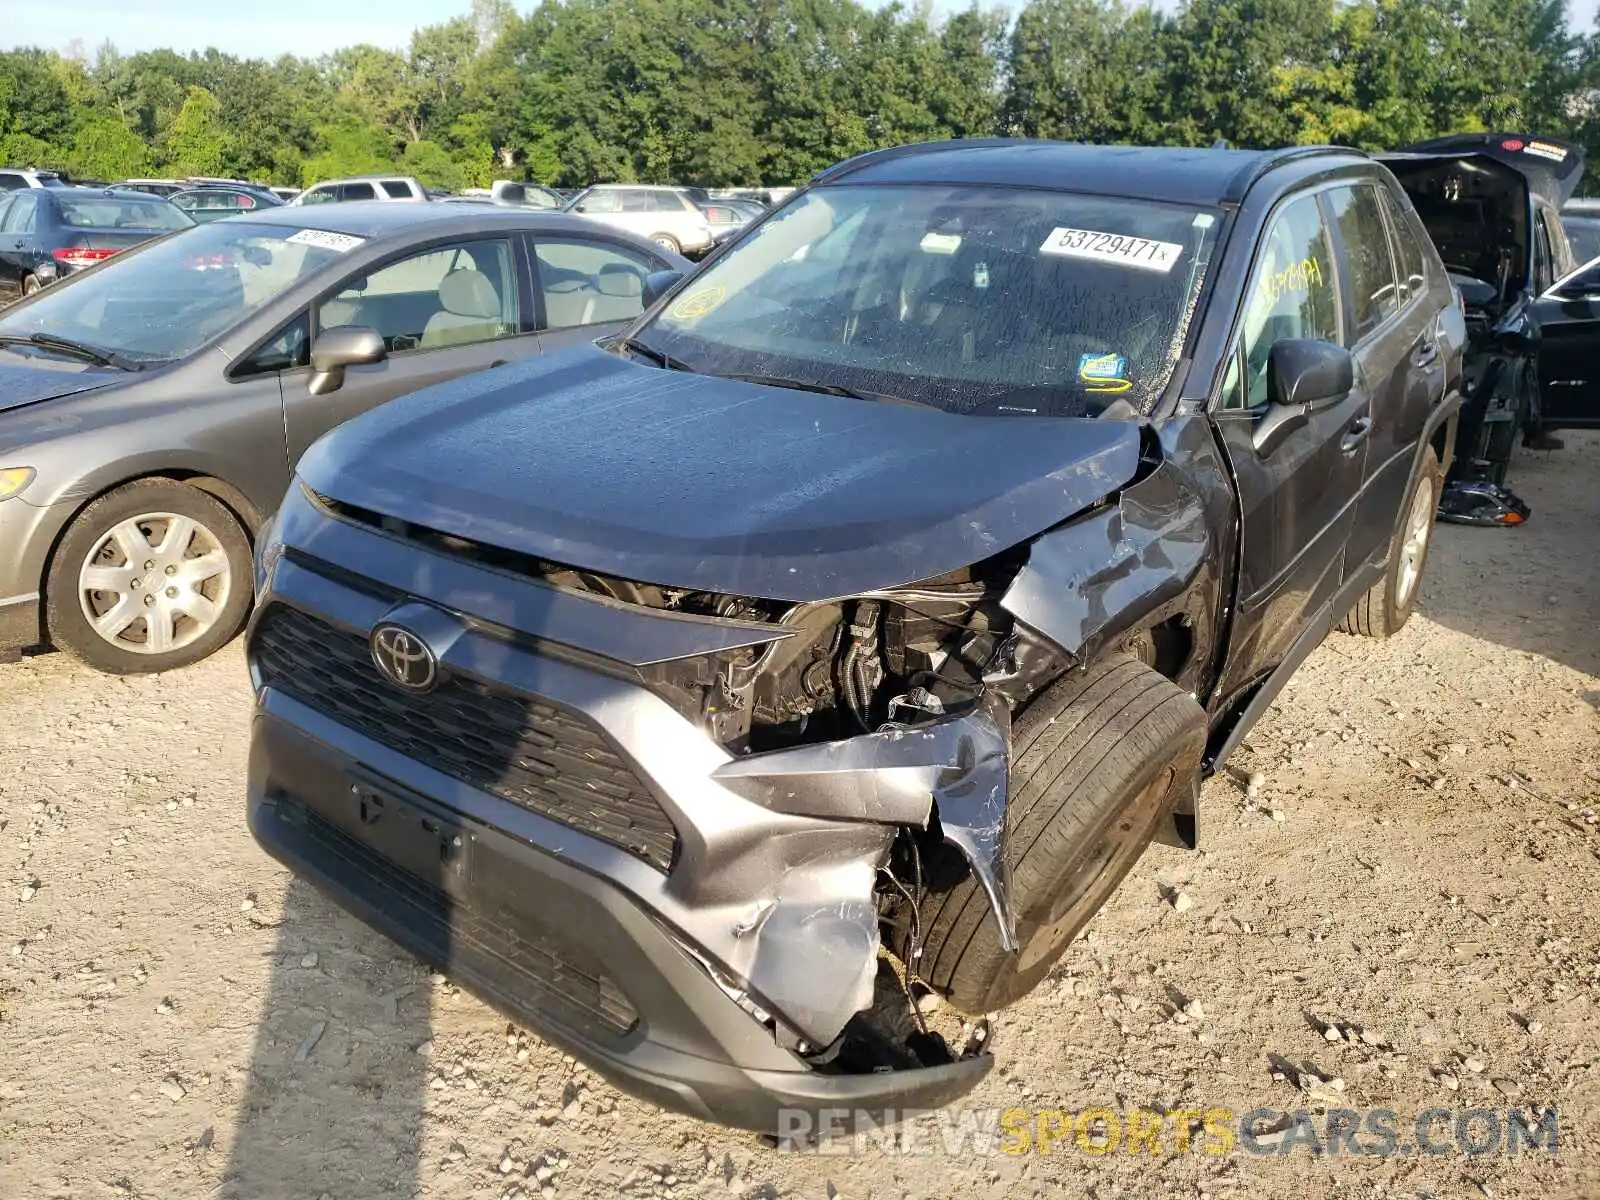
704 987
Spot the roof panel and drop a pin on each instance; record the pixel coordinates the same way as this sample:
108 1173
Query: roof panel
1179 174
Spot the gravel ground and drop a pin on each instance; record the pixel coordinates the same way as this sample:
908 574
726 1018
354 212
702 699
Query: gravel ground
180 1019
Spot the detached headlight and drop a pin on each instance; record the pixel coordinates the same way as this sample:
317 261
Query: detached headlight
13 480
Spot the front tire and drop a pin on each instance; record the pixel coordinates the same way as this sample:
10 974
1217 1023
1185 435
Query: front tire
151 576
1096 762
1389 603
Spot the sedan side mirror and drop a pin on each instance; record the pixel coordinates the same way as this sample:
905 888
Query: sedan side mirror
341 347
1303 375
658 283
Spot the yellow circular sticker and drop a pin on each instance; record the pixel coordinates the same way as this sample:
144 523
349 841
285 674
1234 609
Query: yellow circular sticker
692 308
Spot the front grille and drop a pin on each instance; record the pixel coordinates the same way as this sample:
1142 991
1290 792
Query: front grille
530 753
506 952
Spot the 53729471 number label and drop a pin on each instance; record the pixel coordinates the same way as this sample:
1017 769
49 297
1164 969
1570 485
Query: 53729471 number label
1141 254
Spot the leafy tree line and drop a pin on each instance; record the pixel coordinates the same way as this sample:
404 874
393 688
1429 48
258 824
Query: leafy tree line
769 91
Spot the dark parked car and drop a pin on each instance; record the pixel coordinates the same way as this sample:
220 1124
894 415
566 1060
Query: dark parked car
891 583
48 233
1491 203
1581 220
151 410
210 202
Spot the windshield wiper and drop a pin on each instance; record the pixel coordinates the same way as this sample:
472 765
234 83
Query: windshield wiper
61 345
825 389
654 355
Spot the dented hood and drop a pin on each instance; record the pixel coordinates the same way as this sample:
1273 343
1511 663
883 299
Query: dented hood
592 460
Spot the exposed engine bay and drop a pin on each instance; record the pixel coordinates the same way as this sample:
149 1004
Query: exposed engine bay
847 667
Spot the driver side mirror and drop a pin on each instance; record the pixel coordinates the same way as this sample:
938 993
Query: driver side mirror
1303 375
336 349
658 283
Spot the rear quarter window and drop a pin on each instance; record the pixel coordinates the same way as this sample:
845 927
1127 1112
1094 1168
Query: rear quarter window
398 189
1367 262
1411 262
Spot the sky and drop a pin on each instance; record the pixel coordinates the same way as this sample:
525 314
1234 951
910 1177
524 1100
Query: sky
268 28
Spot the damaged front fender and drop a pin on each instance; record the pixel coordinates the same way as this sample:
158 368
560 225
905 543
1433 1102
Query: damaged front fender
955 769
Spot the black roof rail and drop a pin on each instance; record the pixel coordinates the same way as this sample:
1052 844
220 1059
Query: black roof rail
1251 172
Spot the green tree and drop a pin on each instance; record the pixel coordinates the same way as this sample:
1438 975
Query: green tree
433 166
1088 70
104 148
196 142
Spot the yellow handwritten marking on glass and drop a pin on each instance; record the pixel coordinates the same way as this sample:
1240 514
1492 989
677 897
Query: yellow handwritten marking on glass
692 308
1295 279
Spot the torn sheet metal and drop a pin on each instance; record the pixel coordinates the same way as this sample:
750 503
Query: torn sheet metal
956 767
1090 580
971 802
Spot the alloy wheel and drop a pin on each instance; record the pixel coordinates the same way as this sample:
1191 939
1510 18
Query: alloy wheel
1414 547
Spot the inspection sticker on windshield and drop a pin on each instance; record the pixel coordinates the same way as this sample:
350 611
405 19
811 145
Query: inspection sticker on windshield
1140 253
341 242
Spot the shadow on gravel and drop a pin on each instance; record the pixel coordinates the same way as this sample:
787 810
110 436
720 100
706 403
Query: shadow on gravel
333 1102
1535 587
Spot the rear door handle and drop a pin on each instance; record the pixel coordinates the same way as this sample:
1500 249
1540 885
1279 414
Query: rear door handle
1356 434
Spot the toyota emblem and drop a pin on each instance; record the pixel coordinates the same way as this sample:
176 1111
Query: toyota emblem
404 659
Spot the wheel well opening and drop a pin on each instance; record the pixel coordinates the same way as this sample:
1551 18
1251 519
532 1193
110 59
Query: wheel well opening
1165 647
236 502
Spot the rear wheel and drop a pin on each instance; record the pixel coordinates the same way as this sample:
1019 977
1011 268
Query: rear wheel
152 576
1096 763
1388 604
667 242
31 285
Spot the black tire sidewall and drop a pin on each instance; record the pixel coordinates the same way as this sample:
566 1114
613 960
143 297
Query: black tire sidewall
1008 983
69 629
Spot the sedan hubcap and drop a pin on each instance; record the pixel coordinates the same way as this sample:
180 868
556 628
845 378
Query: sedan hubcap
1419 525
155 583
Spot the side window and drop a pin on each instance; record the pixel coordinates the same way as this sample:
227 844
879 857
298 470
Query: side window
321 195
19 217
357 191
1410 262
399 189
291 348
1291 295
5 206
10 181
601 202
1566 261
1370 270
636 201
587 282
1543 268
445 296
1549 262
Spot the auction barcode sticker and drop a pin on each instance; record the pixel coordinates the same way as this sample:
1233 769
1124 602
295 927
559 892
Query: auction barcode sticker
323 238
1124 249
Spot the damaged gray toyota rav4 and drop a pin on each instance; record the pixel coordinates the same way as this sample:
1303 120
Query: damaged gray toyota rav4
851 624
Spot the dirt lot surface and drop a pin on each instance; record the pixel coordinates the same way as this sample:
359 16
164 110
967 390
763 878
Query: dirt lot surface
179 1019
